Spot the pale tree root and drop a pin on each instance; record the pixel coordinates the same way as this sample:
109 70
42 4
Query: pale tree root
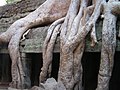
107 52
18 75
108 47
48 47
69 45
66 59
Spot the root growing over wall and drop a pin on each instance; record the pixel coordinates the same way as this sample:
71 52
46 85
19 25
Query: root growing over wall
74 19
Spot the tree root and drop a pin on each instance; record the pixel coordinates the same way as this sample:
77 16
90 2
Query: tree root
108 48
79 21
17 69
74 39
48 47
70 72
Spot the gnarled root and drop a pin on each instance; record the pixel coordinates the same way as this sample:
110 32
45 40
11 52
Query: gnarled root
18 74
72 36
70 71
108 48
107 52
48 47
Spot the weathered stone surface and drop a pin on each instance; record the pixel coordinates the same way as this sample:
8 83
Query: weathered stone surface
12 12
9 88
50 84
35 40
37 88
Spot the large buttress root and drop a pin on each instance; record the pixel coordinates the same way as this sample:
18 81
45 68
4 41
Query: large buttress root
67 56
72 36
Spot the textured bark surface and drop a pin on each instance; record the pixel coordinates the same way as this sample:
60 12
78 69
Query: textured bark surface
48 47
80 17
108 46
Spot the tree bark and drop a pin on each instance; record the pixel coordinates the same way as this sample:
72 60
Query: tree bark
48 47
72 48
108 45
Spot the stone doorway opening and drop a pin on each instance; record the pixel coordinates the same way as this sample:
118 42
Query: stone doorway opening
5 70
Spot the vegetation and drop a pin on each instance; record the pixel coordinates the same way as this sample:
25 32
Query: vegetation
11 1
